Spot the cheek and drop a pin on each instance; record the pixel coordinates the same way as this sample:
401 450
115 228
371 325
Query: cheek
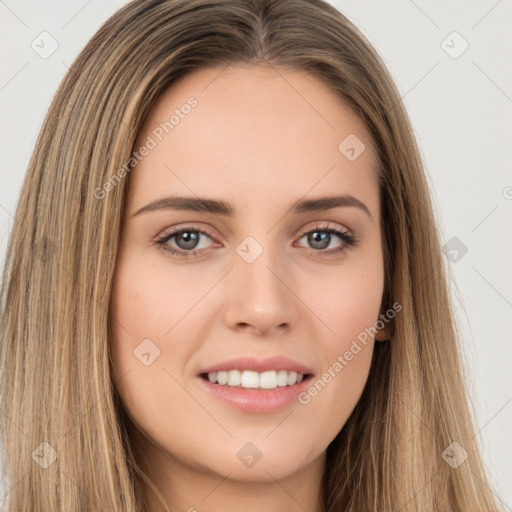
148 363
334 393
346 300
154 331
153 298
349 303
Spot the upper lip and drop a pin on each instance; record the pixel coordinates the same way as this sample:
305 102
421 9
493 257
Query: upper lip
259 365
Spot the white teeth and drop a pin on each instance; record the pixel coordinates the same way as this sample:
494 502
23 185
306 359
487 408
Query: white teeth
268 380
234 378
250 379
282 378
253 380
292 378
222 378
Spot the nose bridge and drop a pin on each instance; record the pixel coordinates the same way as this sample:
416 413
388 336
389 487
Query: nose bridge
257 265
261 297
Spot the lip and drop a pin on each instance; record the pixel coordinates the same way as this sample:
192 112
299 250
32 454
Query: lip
256 400
259 365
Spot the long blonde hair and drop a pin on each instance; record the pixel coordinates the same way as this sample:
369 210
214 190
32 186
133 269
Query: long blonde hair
65 439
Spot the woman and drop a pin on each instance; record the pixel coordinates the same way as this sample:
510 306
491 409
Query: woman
224 288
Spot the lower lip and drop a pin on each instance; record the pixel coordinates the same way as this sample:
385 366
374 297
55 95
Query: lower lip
256 400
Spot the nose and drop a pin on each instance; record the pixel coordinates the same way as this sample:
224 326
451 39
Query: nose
261 299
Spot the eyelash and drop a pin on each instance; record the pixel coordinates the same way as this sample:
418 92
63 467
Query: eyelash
348 239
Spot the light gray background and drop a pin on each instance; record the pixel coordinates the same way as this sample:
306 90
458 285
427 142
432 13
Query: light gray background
461 110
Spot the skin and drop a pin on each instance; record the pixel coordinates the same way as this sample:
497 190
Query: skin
261 140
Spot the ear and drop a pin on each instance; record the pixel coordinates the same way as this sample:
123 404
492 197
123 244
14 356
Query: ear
385 333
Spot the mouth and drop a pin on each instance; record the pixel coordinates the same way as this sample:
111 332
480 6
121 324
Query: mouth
245 391
252 380
255 385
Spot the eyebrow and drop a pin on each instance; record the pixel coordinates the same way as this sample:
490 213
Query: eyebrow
218 207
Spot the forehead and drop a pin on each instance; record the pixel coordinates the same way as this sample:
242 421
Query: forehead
253 132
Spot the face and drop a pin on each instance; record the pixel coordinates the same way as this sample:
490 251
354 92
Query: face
257 288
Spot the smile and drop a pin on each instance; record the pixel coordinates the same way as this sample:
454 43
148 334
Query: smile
253 397
255 380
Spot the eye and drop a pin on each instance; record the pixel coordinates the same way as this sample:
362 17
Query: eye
187 240
320 237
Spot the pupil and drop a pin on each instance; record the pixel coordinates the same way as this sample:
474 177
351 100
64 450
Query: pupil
189 238
322 237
